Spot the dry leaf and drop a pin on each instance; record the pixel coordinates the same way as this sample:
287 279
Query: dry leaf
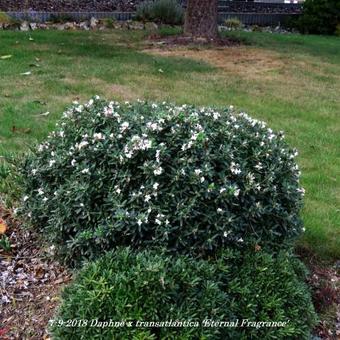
8 56
257 247
3 226
44 114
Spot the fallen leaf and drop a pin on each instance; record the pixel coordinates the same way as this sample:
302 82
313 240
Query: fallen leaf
44 113
39 102
257 247
26 73
8 56
3 226
22 130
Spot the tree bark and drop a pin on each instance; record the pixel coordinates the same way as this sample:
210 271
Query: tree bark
201 19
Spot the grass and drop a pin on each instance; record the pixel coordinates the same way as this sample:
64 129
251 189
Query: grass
290 81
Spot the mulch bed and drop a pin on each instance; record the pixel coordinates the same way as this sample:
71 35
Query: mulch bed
155 40
324 281
30 283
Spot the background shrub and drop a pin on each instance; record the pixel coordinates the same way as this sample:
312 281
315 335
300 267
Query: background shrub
162 11
233 23
319 17
190 179
149 286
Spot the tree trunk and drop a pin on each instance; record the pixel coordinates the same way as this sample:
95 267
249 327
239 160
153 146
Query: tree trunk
201 19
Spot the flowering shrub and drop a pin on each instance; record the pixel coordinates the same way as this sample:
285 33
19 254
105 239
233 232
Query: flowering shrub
193 180
145 287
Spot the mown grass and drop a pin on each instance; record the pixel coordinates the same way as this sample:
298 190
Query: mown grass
290 81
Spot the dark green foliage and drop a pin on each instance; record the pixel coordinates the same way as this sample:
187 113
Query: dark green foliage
189 179
319 17
149 286
162 11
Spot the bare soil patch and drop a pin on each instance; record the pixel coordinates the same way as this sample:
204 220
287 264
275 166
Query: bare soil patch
245 61
30 283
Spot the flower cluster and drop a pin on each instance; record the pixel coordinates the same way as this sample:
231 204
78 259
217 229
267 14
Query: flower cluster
190 179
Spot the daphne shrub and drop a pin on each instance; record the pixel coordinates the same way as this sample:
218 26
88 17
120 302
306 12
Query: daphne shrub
192 180
147 288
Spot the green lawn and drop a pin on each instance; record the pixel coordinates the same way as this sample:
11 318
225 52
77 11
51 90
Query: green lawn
290 81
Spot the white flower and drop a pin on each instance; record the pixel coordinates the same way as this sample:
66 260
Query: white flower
124 126
147 198
85 171
157 155
219 210
302 191
250 177
240 240
226 233
158 221
202 179
139 222
40 191
257 187
73 162
155 186
62 134
153 126
52 162
216 115
237 192
79 108
158 171
303 229
45 199
98 136
234 168
259 166
222 190
198 172
25 198
82 144
34 171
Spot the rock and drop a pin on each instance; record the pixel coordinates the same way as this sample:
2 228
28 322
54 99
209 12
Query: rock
93 23
201 40
60 27
70 26
43 26
33 26
151 26
84 26
136 25
117 25
24 26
